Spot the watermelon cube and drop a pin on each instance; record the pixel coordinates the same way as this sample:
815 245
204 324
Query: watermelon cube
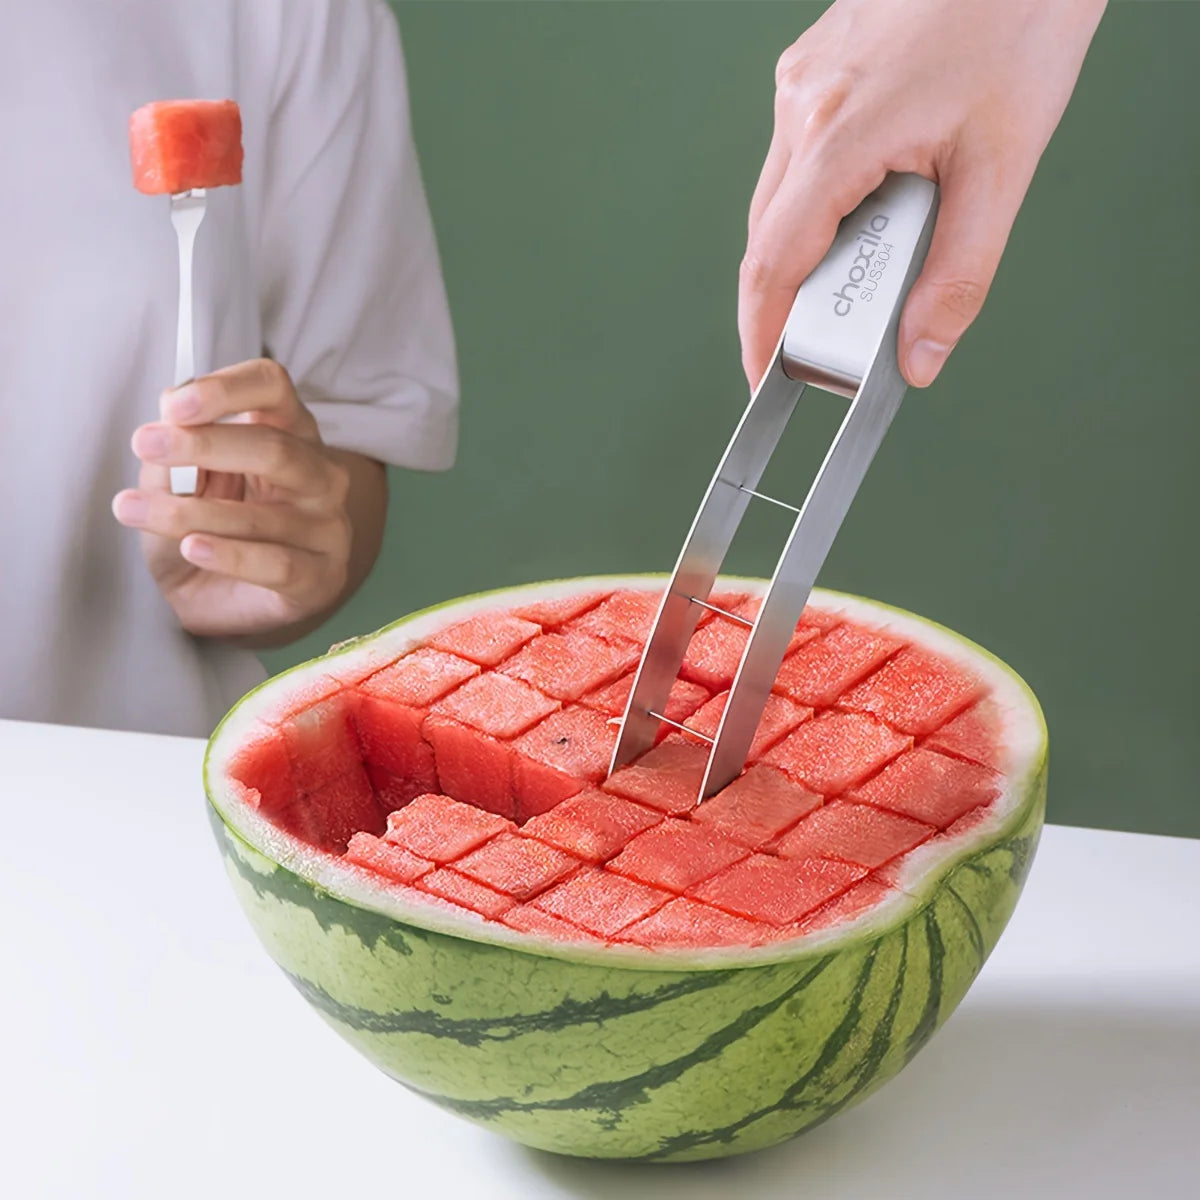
666 778
931 787
821 670
395 791
441 829
321 742
525 918
675 855
916 691
262 765
593 825
517 865
344 806
177 145
869 893
538 788
471 766
780 717
756 807
624 617
716 647
469 893
683 700
420 678
497 705
486 639
685 923
391 739
550 614
975 734
777 890
836 751
565 665
601 902
371 852
854 833
576 741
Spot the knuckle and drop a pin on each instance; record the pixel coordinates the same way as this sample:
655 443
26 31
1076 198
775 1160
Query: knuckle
789 63
270 375
276 450
963 296
756 272
339 482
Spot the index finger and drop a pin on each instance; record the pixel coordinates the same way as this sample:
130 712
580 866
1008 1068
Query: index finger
259 388
792 235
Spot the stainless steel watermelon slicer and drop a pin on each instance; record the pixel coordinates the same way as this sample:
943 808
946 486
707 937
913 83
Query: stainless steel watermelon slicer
840 336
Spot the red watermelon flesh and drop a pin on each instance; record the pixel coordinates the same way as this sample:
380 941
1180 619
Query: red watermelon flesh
780 716
177 145
600 902
593 825
568 664
497 705
473 771
441 829
487 639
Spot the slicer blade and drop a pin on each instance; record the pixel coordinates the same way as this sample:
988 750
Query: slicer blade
841 336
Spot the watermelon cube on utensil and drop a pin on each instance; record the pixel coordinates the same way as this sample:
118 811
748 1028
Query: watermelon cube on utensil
177 145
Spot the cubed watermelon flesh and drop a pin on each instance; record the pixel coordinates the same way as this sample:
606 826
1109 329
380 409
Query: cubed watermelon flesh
177 145
475 769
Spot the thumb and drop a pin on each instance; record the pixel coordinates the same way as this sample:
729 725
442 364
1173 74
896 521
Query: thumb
975 218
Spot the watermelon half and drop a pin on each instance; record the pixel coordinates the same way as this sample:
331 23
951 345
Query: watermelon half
420 828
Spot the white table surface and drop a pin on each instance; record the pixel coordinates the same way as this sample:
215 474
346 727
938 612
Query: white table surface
151 1049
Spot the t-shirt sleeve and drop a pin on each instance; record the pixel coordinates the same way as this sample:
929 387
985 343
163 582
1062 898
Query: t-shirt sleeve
353 301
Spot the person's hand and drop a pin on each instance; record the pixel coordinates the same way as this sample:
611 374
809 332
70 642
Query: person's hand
265 543
964 92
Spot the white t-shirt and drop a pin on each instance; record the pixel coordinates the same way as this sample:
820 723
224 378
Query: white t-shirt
324 258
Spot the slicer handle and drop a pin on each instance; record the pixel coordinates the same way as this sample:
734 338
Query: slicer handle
842 308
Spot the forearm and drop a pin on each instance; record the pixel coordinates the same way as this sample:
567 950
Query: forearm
366 510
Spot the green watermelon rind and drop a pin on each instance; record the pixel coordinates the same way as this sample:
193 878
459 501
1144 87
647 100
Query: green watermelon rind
637 1054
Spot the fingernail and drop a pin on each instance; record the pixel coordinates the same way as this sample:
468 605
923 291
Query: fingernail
185 403
925 359
197 551
152 441
131 508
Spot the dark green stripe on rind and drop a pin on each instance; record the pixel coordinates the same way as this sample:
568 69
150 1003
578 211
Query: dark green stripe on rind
619 1061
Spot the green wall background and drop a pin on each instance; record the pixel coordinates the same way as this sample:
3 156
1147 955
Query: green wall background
589 167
